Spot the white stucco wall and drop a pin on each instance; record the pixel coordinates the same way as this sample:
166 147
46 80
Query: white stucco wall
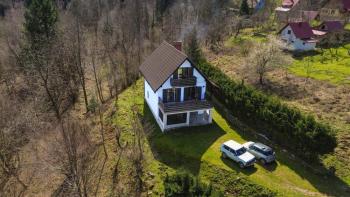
200 82
294 42
152 101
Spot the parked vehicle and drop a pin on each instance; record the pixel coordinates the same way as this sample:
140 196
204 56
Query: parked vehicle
262 152
237 153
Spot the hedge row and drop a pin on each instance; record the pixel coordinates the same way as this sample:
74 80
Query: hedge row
287 126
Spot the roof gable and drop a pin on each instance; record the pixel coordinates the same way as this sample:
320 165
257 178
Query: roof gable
162 63
302 30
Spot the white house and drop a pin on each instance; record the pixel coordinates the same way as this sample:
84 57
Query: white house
299 36
175 89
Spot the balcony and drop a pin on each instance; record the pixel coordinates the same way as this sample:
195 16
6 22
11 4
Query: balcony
181 82
192 105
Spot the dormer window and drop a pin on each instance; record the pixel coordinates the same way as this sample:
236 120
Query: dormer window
289 32
183 73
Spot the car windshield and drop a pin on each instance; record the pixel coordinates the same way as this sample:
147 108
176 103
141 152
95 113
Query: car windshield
240 151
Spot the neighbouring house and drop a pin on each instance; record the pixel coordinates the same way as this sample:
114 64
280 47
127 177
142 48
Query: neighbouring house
330 26
297 10
175 89
299 36
335 10
326 27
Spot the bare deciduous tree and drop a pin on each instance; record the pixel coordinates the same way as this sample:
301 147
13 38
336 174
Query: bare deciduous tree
76 155
266 56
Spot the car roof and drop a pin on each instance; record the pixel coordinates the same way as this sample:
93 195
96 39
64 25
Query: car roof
233 145
262 146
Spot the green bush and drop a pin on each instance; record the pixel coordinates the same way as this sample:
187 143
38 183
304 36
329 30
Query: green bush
287 126
92 105
233 183
184 185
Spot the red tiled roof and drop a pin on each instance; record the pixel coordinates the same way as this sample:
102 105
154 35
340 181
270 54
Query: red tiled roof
301 30
346 4
289 3
332 26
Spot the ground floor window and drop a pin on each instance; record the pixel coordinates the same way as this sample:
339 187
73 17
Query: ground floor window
176 119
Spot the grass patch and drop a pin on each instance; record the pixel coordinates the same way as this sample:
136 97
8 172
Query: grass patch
325 66
196 150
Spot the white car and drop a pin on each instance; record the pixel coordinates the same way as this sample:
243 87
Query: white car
237 153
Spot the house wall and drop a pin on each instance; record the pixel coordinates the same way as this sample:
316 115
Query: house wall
288 37
152 100
302 45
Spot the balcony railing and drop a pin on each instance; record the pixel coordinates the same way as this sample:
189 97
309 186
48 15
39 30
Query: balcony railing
190 105
188 81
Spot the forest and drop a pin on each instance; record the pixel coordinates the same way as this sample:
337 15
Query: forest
73 120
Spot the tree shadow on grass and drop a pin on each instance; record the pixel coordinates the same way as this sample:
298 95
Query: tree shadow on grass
182 148
233 165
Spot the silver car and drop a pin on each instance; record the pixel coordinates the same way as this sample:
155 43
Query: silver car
262 152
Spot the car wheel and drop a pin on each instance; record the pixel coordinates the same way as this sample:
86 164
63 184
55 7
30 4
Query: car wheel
263 161
241 165
224 155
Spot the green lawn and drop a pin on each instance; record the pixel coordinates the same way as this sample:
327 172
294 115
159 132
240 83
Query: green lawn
195 148
325 66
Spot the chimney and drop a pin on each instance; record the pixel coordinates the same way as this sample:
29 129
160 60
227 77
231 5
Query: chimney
178 45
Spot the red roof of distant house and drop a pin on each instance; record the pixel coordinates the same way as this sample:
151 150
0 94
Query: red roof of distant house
289 3
331 26
301 30
346 4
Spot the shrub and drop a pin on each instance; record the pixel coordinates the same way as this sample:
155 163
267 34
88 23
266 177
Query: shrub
287 126
183 184
92 105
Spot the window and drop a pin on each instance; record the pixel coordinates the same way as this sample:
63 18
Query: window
192 93
289 32
241 151
303 43
147 94
227 148
171 95
160 114
183 73
176 119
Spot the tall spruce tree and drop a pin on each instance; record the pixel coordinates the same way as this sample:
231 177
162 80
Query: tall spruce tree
41 17
45 59
192 47
244 9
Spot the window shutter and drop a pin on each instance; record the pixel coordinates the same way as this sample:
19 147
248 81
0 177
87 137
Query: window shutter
178 94
199 93
165 99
